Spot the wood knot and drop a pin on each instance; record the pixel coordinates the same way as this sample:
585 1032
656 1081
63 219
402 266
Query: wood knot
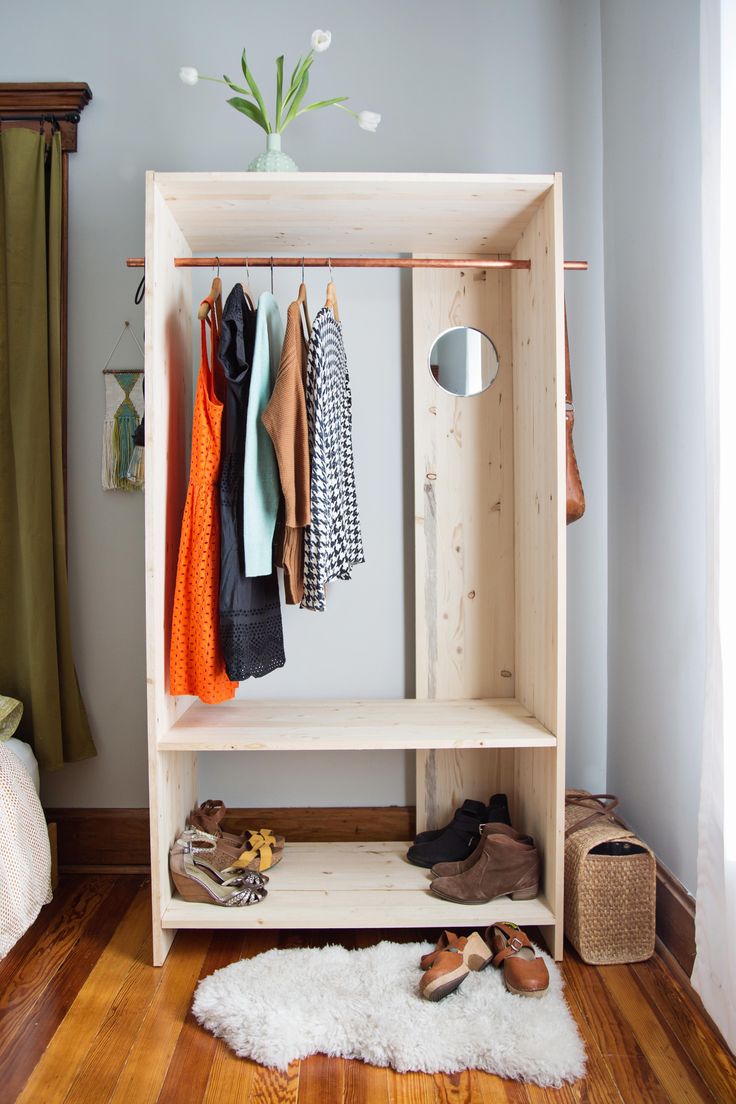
431 475
471 594
505 673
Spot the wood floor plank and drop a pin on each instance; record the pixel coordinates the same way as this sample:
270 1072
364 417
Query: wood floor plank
412 1088
457 1088
148 1060
52 1077
28 943
497 1090
365 1084
272 1086
55 941
321 1079
25 1041
599 1085
191 1061
668 1060
613 1034
677 1009
101 1067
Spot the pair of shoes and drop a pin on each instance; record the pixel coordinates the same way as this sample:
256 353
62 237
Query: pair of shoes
255 849
195 880
504 861
457 839
505 946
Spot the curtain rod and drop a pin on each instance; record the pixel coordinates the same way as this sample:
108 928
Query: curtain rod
350 262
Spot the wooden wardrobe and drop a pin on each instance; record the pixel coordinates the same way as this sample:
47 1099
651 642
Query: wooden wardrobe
489 499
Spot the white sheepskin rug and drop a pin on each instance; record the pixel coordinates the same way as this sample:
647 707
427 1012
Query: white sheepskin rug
284 1005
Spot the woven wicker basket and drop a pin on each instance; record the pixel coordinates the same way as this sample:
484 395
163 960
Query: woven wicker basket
609 899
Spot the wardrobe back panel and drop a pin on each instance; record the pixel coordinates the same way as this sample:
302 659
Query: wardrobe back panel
464 496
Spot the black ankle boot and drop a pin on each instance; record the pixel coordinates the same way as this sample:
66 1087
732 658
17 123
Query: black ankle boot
475 809
454 842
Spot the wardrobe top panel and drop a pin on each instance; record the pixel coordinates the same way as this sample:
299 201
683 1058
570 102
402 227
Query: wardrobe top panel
334 213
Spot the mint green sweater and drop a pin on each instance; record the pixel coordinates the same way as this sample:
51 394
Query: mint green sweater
260 473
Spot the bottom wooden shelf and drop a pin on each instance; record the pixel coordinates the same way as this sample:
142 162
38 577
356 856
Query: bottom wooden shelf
352 885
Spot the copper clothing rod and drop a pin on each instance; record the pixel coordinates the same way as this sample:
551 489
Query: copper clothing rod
350 262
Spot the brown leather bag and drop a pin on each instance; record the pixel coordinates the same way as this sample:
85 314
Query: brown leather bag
575 494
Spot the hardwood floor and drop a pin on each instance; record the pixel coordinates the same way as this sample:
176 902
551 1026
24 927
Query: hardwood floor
85 1020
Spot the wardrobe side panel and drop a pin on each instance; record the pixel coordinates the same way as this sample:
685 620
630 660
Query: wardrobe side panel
464 525
172 775
540 501
539 465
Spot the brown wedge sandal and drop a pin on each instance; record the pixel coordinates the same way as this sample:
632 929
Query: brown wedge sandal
523 973
208 854
208 817
194 884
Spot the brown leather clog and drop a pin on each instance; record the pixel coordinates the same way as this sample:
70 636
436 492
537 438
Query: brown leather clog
451 962
523 973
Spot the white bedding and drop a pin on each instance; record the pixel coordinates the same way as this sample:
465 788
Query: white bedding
25 857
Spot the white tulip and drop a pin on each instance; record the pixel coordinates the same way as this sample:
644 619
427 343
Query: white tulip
369 120
188 74
321 41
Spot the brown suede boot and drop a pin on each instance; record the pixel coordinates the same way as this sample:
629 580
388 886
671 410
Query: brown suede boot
449 869
504 866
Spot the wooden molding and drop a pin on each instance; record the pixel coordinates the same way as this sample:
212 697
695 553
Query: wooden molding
46 98
675 918
100 839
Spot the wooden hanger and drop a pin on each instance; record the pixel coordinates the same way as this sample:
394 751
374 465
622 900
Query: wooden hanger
331 299
214 295
302 300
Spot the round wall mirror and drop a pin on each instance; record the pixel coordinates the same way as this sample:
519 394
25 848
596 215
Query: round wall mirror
463 361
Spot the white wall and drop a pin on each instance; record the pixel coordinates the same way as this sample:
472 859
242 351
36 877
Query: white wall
656 467
493 86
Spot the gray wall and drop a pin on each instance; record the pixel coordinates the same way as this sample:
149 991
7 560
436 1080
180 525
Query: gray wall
518 91
656 470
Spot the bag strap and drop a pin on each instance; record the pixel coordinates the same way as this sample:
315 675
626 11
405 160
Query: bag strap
601 804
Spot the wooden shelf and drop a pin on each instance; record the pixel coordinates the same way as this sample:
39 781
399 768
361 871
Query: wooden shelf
227 212
243 725
352 885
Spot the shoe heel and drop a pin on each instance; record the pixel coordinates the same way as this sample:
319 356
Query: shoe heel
524 894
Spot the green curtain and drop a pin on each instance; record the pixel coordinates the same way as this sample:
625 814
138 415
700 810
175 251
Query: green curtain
36 662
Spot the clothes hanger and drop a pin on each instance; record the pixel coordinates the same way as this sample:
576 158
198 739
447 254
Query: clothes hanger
246 286
331 299
302 300
214 295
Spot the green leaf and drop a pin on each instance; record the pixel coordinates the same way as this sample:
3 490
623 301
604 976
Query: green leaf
303 66
297 67
296 102
251 110
279 87
235 87
323 103
251 82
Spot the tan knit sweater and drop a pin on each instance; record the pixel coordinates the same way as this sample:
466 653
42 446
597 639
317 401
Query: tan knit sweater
285 419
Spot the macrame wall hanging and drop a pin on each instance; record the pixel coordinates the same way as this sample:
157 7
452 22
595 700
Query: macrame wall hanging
122 434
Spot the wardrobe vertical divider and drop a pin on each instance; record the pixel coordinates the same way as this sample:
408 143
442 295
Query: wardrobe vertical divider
489 523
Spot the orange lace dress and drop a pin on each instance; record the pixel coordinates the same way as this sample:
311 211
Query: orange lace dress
196 665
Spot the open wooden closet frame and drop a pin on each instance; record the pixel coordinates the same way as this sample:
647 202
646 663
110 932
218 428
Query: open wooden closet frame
489 480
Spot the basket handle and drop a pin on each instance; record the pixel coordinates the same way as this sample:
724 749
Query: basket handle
601 804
